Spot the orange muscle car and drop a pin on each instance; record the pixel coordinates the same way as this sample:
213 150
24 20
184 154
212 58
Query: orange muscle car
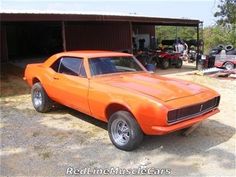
114 87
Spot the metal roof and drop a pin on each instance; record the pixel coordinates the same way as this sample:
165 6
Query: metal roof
17 15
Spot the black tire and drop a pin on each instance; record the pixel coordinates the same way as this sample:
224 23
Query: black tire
165 64
179 63
221 46
229 65
134 131
45 104
229 47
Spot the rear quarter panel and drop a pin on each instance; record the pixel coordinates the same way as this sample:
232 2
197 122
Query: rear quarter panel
33 71
40 72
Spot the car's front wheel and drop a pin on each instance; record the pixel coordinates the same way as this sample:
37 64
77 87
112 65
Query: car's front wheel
40 99
124 131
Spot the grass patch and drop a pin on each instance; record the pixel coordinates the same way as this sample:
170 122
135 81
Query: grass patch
35 134
43 152
45 155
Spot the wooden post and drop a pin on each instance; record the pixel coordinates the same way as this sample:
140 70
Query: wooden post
176 32
197 61
202 38
131 37
198 39
63 36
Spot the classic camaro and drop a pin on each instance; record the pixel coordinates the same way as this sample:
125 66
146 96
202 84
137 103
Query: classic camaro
114 87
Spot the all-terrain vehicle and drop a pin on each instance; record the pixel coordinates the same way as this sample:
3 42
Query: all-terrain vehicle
167 57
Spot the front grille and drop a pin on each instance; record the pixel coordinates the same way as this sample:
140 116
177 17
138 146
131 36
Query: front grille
191 111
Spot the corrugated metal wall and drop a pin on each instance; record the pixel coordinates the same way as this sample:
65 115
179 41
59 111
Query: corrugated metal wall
100 36
144 29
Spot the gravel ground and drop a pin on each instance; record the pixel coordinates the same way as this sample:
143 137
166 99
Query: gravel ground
35 144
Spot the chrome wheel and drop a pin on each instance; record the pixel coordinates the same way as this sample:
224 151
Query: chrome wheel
37 98
120 132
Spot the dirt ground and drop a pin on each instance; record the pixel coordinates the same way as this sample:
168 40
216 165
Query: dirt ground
35 144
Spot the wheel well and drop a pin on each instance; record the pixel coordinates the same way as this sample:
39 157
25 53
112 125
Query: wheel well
228 62
114 107
35 80
223 65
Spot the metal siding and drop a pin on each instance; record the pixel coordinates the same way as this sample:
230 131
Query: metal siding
108 18
97 36
144 29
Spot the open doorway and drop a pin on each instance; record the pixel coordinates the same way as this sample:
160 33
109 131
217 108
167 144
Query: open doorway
27 40
181 39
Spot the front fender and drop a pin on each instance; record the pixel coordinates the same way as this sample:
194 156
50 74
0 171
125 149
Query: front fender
147 111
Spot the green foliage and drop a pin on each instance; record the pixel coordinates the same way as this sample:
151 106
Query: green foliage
172 32
226 13
213 36
226 23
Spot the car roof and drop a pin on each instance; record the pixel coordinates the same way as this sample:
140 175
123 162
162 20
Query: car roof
84 54
92 53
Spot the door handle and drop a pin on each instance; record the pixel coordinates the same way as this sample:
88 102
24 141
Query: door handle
56 78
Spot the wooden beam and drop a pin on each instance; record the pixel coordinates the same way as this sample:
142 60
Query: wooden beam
197 61
131 37
63 36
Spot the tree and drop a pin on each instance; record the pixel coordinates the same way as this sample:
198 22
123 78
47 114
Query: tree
227 17
213 36
173 32
226 13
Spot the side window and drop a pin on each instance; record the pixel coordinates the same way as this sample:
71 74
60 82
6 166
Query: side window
70 66
55 65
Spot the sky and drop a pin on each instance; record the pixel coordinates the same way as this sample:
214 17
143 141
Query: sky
190 9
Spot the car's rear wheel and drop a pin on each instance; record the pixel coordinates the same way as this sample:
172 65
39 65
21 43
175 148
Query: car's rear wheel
124 131
179 63
41 101
229 65
165 64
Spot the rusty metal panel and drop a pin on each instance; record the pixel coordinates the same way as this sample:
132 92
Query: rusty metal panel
99 17
144 29
98 36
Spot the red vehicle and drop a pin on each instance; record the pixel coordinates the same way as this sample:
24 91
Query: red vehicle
165 59
226 61
115 88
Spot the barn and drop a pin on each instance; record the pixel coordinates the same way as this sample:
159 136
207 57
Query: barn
39 34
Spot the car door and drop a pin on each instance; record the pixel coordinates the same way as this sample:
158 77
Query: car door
70 84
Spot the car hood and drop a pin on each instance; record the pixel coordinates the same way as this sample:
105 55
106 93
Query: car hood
162 88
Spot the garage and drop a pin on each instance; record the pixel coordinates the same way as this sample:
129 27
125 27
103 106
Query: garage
39 35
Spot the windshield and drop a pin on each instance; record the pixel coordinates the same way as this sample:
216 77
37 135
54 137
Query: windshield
108 65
